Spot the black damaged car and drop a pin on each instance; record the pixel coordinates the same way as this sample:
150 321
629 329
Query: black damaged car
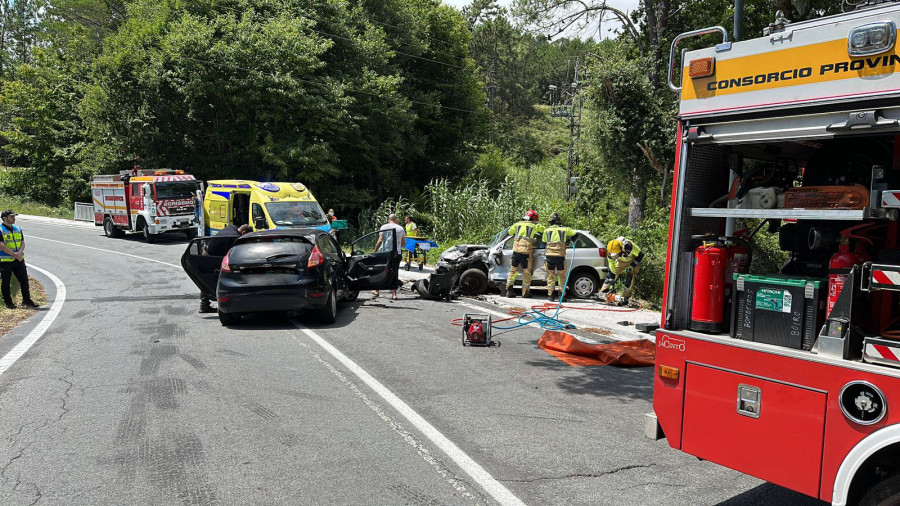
289 270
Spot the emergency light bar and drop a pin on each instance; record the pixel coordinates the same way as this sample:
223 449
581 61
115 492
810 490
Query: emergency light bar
871 39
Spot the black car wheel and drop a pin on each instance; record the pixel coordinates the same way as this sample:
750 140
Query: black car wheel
422 289
473 282
328 313
584 284
109 228
351 295
228 318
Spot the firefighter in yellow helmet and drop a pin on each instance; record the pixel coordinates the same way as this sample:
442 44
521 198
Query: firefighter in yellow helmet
623 255
525 233
556 236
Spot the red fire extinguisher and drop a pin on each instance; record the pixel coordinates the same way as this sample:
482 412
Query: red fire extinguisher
708 298
839 269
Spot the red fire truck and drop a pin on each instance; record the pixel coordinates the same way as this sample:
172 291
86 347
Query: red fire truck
150 202
788 372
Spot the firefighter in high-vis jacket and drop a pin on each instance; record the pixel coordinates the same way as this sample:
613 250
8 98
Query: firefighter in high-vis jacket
555 237
525 233
624 255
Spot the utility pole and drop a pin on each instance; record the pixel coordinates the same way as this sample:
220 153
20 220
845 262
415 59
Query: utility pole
738 20
571 159
491 102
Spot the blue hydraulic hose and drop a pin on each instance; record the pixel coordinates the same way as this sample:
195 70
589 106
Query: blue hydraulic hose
541 319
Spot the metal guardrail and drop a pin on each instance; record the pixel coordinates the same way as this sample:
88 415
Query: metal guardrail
84 212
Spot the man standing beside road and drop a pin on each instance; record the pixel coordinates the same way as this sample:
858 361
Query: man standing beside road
12 260
233 231
383 244
556 236
525 233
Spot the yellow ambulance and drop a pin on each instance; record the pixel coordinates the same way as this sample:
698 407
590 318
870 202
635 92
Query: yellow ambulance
262 205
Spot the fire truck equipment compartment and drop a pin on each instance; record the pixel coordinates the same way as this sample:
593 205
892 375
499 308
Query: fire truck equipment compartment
783 311
712 414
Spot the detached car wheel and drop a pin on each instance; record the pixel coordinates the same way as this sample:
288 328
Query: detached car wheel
422 289
473 282
228 318
328 313
583 285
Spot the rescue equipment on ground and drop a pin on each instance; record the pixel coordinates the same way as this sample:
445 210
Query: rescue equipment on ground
416 250
476 330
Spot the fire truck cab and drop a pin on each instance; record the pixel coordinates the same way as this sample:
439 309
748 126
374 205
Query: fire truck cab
150 202
788 148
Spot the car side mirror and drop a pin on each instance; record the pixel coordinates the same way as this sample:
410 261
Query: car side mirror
260 224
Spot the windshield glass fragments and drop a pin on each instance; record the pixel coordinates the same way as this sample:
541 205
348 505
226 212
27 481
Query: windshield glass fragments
296 214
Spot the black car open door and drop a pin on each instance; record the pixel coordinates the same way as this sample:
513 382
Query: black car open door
374 262
202 260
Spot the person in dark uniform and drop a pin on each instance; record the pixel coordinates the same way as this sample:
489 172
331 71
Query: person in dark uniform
220 249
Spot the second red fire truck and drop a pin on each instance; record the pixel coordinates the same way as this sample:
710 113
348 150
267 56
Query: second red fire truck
150 202
791 373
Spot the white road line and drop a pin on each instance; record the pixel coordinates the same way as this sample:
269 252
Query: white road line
37 332
472 468
106 251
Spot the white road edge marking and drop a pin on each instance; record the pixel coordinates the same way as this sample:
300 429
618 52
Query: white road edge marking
106 251
36 333
472 468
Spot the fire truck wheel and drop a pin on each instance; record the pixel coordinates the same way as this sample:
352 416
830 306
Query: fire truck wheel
191 234
229 318
886 492
148 237
328 313
110 229
473 282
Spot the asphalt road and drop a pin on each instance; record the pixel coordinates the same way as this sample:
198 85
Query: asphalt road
131 397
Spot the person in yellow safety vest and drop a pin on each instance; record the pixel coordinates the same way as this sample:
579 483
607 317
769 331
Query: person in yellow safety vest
524 233
556 236
625 256
412 230
12 260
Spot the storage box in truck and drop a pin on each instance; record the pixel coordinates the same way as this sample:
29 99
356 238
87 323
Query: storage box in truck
149 202
787 367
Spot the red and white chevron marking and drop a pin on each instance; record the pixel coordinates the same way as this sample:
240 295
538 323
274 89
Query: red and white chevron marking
890 198
881 351
886 277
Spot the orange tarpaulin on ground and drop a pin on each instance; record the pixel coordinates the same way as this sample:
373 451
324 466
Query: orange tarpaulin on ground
570 350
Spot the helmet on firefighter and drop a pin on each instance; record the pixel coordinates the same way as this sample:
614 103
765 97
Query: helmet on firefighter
555 219
531 215
614 248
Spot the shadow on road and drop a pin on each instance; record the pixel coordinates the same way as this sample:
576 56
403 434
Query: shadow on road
767 493
608 382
